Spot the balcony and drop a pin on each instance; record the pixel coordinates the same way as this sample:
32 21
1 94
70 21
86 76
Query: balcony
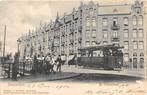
71 31
71 52
115 27
63 34
62 43
79 39
71 41
80 28
115 39
56 37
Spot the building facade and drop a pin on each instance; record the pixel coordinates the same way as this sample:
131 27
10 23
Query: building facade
90 25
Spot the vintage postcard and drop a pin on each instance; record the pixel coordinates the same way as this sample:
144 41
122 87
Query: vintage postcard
69 47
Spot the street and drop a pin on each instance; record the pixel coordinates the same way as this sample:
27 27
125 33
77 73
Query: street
81 74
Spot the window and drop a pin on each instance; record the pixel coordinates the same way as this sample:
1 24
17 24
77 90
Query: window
138 10
140 33
126 45
141 54
126 21
134 20
135 45
93 33
105 42
105 21
140 20
126 57
93 22
134 62
126 33
91 12
141 45
141 62
93 43
87 43
115 21
115 34
88 22
134 54
134 33
105 34
87 33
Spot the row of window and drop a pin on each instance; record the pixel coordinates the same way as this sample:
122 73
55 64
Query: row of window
90 22
136 33
135 20
90 33
126 57
136 45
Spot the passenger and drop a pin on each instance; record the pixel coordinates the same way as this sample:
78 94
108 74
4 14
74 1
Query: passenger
48 65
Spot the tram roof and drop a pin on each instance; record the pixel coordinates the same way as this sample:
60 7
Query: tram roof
99 47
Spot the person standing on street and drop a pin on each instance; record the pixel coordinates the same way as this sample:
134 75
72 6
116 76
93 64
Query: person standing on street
48 65
52 62
35 63
59 63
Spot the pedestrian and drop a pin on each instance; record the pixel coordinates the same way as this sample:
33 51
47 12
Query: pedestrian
59 63
35 61
52 63
48 65
15 66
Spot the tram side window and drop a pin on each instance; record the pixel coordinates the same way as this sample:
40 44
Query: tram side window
97 53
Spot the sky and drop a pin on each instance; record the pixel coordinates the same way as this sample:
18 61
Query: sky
20 16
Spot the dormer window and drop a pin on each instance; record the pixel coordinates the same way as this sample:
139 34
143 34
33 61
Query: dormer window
115 11
138 10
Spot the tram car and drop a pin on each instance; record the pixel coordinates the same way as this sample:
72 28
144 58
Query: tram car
107 57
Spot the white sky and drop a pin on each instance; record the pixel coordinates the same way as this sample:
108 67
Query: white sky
20 16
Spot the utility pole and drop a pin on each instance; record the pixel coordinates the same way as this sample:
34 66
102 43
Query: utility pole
4 42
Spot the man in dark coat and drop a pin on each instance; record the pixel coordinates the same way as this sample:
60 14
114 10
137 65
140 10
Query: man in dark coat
59 63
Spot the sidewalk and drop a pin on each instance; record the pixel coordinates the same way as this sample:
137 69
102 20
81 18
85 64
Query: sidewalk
127 72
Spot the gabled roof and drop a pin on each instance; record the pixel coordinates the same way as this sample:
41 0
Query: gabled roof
114 9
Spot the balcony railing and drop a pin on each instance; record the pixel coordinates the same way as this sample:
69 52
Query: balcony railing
79 39
71 31
115 39
115 27
71 41
80 28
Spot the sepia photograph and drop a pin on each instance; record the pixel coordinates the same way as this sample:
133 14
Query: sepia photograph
84 47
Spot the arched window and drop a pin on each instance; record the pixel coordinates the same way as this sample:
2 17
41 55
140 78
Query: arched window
141 54
134 54
134 19
140 20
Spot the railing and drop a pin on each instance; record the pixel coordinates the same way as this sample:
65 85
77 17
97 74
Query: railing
115 27
79 39
115 39
80 28
71 31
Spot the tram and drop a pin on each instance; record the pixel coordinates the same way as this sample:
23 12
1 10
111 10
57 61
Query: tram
102 56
